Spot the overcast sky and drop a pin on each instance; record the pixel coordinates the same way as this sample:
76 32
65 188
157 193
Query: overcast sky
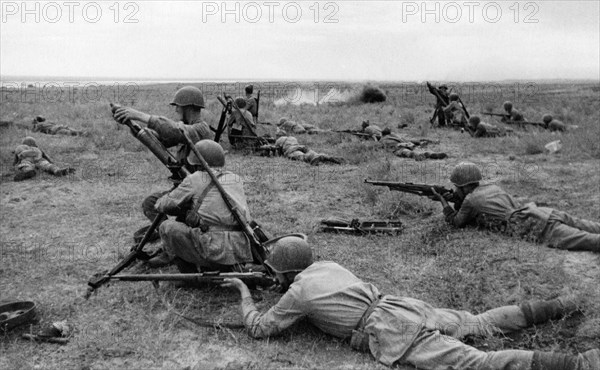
294 40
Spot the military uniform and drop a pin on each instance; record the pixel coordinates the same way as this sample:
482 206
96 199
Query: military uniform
168 133
488 130
393 329
373 130
556 125
28 158
238 127
439 104
404 148
455 114
490 206
41 125
218 241
289 147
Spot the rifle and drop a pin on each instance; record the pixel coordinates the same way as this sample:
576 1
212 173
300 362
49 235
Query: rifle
221 127
255 234
423 190
137 252
496 114
355 133
357 227
262 140
252 278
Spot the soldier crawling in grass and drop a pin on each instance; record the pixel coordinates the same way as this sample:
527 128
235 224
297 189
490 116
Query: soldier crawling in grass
289 147
476 128
405 148
294 127
397 330
371 129
552 124
512 115
188 102
29 158
41 125
487 205
209 239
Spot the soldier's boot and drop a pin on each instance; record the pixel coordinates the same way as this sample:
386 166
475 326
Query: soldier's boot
437 155
537 312
160 260
24 175
589 360
63 171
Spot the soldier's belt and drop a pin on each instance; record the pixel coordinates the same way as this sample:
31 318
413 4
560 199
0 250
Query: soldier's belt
223 228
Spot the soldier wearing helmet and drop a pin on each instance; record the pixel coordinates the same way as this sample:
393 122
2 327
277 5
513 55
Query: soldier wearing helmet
371 129
512 115
291 148
553 124
476 128
240 123
441 100
487 205
455 112
41 125
404 148
29 157
188 102
294 127
209 238
393 329
251 103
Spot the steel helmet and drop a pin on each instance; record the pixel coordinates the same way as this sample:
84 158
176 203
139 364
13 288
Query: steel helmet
443 87
240 102
386 131
453 96
547 118
211 151
465 173
188 95
29 141
507 105
366 123
289 253
249 89
474 121
282 121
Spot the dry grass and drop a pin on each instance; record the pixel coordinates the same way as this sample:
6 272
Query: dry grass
56 232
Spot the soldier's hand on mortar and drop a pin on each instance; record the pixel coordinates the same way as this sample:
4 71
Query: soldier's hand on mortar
124 113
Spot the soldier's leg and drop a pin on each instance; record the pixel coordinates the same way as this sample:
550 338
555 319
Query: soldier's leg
504 319
578 223
178 243
433 350
562 236
46 166
25 170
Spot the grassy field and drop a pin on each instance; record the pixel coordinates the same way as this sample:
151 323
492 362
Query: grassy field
57 232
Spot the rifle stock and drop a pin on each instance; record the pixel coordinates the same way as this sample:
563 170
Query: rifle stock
251 229
423 190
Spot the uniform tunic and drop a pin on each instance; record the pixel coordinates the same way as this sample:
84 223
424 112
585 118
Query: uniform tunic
334 300
28 158
490 206
171 137
224 243
487 130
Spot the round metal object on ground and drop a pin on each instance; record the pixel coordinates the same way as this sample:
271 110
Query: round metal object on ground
14 314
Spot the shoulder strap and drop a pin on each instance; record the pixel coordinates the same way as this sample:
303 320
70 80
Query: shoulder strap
204 193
